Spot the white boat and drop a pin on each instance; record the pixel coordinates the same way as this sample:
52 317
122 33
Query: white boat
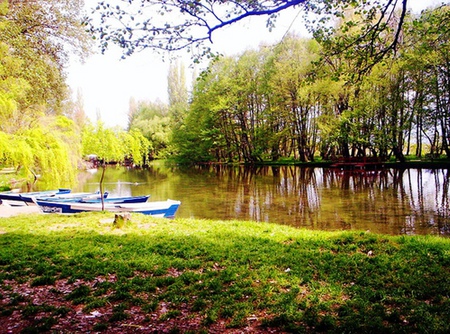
165 209
18 198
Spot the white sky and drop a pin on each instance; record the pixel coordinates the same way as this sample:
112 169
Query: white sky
107 82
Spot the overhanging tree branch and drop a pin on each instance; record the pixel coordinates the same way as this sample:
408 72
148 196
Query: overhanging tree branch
173 25
367 35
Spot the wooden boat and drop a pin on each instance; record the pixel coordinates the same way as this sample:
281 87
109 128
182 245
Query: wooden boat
165 209
118 200
72 196
96 199
28 197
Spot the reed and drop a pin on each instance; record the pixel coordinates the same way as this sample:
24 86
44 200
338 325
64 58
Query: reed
58 273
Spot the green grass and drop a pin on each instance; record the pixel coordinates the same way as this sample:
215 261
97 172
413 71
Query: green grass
216 273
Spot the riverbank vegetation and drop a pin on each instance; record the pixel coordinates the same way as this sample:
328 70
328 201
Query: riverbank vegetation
308 99
304 98
38 126
81 274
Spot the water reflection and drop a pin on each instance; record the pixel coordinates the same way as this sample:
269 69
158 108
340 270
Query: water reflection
392 201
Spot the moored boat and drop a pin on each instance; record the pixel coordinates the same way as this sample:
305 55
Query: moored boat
118 200
165 209
96 199
28 197
72 196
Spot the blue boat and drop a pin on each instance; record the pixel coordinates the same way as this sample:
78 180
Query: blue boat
165 209
96 199
71 197
28 197
118 200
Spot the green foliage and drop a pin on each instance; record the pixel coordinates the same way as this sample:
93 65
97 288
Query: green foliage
114 145
260 106
35 37
137 146
40 34
153 121
39 151
200 138
13 89
300 98
102 142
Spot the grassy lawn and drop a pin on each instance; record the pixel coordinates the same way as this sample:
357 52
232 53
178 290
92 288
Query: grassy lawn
68 274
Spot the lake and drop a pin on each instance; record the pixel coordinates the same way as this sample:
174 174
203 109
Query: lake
391 201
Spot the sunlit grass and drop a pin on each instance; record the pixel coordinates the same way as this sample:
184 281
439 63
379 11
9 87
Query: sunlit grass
289 279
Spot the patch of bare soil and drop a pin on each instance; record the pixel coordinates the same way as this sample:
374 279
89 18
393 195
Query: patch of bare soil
9 211
33 309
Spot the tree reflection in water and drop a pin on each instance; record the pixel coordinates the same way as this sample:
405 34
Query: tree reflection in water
392 201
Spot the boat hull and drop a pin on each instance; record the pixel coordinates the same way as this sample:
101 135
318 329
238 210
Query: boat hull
28 197
72 197
97 199
166 209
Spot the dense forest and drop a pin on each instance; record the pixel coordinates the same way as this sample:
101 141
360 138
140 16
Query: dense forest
386 95
308 99
304 98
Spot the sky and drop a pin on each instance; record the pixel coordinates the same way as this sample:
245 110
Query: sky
107 82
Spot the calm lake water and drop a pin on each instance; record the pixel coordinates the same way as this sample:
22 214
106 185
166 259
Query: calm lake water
392 201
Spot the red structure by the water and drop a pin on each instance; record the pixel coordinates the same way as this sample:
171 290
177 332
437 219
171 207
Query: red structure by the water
361 163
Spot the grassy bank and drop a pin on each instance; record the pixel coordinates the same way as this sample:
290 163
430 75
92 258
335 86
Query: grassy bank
78 274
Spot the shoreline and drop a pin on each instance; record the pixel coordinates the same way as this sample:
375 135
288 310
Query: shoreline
10 211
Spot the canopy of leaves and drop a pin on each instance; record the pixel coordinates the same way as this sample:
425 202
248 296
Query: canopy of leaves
297 99
42 34
36 38
114 145
152 120
365 30
39 151
175 25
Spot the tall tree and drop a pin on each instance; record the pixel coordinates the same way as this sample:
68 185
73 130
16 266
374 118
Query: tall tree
292 92
178 94
153 121
42 34
34 37
205 133
176 85
132 111
77 110
429 52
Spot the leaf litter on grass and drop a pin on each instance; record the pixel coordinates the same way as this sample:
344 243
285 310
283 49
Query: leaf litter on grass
211 276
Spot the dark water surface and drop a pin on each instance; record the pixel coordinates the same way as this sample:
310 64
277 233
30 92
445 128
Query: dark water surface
392 201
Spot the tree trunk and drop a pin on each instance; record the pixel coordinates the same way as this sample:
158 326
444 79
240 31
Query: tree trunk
101 186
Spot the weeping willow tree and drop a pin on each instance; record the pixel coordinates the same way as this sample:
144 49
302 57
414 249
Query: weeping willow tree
36 39
35 152
31 143
136 146
113 146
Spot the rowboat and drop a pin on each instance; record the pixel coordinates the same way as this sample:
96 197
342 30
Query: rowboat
165 209
73 197
28 197
96 199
